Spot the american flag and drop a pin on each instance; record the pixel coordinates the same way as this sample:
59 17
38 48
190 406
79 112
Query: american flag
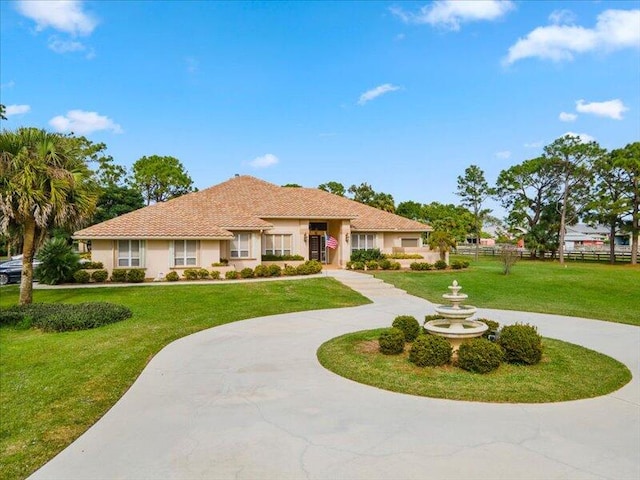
331 242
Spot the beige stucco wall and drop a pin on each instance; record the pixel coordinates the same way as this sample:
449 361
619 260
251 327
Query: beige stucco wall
102 251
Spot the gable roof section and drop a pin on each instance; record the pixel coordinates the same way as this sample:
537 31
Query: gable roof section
243 203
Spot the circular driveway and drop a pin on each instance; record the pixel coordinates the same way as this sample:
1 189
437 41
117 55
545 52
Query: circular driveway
249 400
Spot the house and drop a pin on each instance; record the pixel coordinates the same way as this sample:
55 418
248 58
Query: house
243 219
593 237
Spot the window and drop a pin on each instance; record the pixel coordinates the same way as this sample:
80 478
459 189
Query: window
129 253
277 244
240 245
363 241
184 252
409 242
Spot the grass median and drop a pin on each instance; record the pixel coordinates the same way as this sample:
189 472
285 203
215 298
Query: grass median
53 386
603 292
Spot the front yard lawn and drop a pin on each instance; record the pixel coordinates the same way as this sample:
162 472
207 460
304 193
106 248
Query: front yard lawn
53 386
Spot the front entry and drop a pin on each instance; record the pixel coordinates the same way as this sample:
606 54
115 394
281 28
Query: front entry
317 248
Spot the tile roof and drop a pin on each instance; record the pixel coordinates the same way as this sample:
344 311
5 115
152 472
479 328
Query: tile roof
243 202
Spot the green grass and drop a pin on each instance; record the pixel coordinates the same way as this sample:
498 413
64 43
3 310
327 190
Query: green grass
53 386
603 292
567 372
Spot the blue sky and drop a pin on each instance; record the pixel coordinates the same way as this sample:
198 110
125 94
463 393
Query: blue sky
401 95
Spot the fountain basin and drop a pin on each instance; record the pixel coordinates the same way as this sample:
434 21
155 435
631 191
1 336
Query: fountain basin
456 312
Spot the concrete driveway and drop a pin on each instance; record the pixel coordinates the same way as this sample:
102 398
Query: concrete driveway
249 400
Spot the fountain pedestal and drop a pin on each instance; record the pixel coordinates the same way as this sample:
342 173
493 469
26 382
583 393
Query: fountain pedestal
456 325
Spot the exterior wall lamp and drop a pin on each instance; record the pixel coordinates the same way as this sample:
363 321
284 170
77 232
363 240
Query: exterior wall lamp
306 237
346 237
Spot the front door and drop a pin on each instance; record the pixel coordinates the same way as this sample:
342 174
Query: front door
317 248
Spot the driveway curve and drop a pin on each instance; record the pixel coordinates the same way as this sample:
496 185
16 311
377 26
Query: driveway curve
249 400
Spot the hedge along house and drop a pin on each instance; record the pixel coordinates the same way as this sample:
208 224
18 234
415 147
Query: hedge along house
241 220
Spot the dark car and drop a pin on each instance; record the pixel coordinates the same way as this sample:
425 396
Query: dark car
11 271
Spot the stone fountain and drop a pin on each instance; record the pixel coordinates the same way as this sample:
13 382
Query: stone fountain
456 326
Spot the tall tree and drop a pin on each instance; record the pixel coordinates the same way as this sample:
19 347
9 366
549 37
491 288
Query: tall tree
628 158
609 203
412 210
525 191
160 178
572 159
455 219
44 183
473 189
364 193
3 111
333 187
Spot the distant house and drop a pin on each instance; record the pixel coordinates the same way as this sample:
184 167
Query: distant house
587 237
243 219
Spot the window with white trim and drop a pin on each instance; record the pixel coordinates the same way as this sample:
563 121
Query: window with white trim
240 245
363 241
277 244
184 253
129 253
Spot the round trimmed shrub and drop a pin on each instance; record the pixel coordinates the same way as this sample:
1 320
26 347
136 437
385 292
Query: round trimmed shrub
456 265
372 265
409 326
118 275
99 276
430 351
81 276
521 343
135 275
420 266
289 271
172 277
246 272
214 275
232 275
391 341
190 274
203 273
493 327
385 264
480 355
357 265
440 265
261 271
274 270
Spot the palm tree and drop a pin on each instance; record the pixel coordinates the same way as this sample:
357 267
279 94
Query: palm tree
44 183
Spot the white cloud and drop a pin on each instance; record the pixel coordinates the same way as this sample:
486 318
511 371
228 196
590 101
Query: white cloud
9 84
611 108
62 15
376 92
584 138
503 155
614 30
17 110
65 46
567 117
562 17
81 122
536 144
450 14
264 161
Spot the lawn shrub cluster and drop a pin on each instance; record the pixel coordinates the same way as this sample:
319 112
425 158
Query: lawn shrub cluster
479 355
119 275
459 264
135 275
521 343
281 258
383 264
366 255
421 266
62 317
99 276
440 265
391 341
430 351
386 264
409 326
404 256
172 277
81 276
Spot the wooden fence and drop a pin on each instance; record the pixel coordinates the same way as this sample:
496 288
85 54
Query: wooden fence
576 255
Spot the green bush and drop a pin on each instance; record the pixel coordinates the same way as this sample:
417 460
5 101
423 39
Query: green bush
232 275
275 270
261 271
172 277
59 262
214 274
9 317
384 264
357 265
309 267
81 276
420 266
521 343
430 351
465 264
456 265
289 270
440 265
91 265
99 276
246 272
493 327
366 255
61 317
222 263
395 266
479 355
135 275
391 341
119 275
190 274
203 273
281 258
409 326
372 265
404 256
